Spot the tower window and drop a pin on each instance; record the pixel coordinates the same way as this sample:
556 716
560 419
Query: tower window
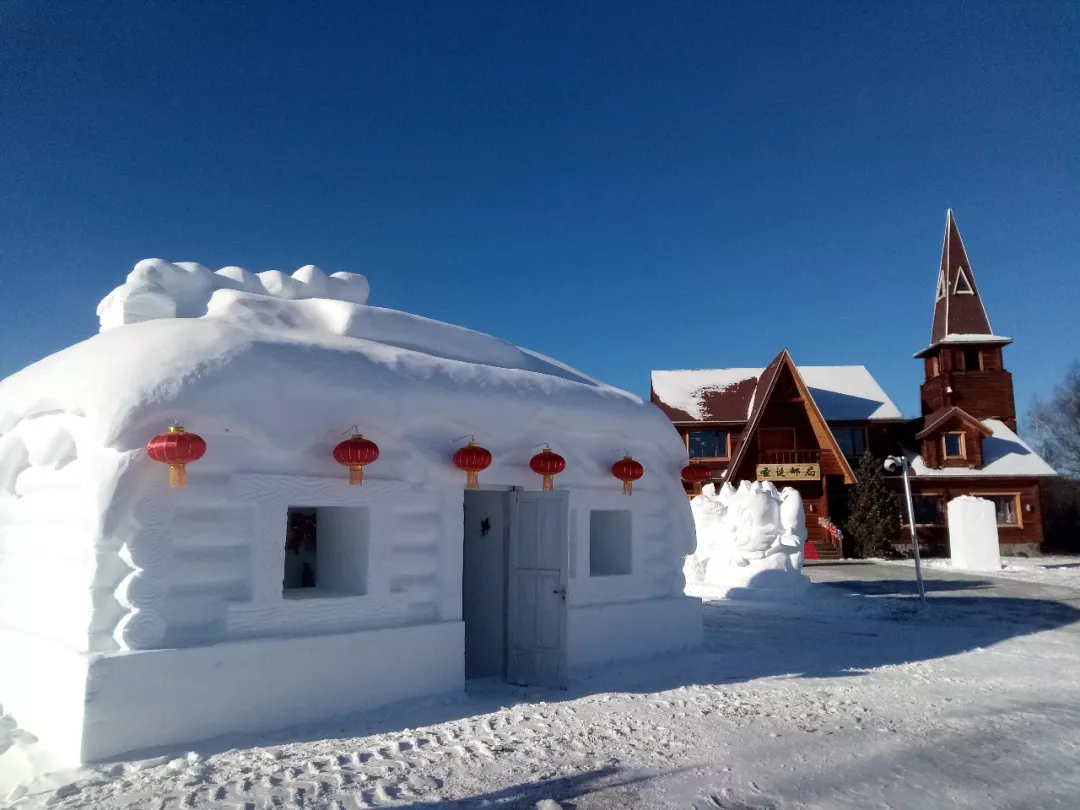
972 359
962 286
935 367
954 445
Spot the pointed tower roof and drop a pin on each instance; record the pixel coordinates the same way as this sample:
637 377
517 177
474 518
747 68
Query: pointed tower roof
959 314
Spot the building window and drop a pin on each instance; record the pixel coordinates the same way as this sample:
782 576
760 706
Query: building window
326 551
707 443
962 286
610 543
954 445
852 441
1007 508
972 359
929 510
935 367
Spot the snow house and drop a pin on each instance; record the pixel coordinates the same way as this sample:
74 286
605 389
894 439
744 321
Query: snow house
270 590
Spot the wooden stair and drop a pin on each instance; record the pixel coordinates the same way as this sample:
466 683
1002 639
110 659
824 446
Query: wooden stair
826 550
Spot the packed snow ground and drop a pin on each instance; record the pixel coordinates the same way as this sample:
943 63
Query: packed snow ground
1049 569
971 703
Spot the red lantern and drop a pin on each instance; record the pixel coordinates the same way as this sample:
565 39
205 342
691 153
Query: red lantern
355 453
176 448
548 464
472 458
696 474
628 471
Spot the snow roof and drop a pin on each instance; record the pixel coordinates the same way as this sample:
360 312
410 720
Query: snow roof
727 394
992 340
284 368
1004 455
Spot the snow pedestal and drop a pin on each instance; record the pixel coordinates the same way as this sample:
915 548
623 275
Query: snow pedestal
750 543
973 534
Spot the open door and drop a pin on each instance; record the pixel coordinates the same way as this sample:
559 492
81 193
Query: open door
536 607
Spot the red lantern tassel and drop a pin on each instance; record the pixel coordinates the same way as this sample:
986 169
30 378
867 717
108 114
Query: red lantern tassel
356 475
177 475
472 480
549 483
627 487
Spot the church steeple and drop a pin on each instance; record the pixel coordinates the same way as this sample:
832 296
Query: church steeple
958 308
963 362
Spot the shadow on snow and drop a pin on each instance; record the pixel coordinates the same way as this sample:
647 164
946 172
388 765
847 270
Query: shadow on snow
742 642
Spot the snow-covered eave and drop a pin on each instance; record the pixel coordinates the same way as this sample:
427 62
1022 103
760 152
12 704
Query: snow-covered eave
1019 462
967 472
993 340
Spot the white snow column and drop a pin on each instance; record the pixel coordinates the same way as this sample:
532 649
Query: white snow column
973 534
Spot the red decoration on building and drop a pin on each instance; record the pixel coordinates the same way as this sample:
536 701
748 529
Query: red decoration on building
473 459
548 464
696 474
628 471
355 453
177 448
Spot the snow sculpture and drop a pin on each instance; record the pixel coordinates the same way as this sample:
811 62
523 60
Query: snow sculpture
157 289
750 538
973 534
116 589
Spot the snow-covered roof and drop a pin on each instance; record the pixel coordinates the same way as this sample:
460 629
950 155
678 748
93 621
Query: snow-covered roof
281 366
727 394
1004 455
991 340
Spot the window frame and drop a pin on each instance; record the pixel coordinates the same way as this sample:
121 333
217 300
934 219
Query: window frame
727 444
942 511
861 429
978 358
945 445
1016 502
621 564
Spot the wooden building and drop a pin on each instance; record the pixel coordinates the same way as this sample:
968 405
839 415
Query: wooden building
965 442
795 426
806 426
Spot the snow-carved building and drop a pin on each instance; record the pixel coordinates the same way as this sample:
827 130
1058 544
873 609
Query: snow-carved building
133 614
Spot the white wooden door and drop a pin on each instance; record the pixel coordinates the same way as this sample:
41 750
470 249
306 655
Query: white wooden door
536 603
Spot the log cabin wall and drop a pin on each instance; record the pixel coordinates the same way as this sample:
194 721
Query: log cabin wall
972 378
1026 535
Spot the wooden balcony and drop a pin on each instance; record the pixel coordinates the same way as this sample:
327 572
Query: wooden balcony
787 457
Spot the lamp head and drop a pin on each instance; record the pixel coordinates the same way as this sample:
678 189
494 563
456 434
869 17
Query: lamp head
892 464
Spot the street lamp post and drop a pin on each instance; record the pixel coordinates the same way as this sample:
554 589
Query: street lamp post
891 463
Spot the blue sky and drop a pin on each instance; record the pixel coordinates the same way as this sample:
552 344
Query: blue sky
623 186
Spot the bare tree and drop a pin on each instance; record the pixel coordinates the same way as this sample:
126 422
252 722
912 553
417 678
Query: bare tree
1054 428
1054 425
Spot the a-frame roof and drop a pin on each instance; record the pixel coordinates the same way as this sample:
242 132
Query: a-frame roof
959 313
937 419
766 386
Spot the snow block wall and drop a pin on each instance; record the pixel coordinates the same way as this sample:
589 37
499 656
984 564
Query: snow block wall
109 575
973 534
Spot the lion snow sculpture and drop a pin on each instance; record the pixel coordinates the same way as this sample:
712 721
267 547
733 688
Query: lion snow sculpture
751 538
